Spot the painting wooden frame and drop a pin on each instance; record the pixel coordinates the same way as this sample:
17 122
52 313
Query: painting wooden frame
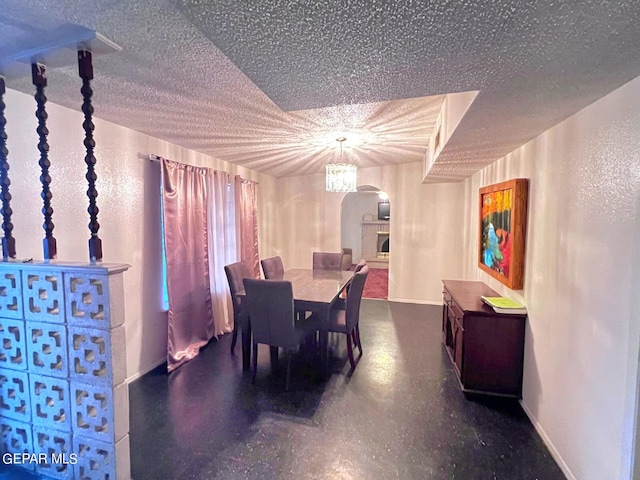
502 231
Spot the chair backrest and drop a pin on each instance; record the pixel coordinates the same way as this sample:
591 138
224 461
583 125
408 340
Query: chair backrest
354 296
272 268
360 264
236 272
270 308
327 261
347 258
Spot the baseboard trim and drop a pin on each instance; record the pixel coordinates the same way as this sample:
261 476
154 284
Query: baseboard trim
144 371
419 302
547 441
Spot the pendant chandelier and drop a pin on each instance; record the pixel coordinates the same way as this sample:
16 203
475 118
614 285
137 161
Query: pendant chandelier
341 177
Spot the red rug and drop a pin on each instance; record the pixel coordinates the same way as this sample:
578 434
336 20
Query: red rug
377 285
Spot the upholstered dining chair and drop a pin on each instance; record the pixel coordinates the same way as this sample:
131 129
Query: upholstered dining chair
327 261
272 268
270 307
360 264
347 320
236 272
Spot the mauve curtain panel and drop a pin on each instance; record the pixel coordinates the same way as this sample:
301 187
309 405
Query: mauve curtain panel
185 236
247 222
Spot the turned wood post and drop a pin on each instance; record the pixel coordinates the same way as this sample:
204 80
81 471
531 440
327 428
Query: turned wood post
8 242
85 69
38 74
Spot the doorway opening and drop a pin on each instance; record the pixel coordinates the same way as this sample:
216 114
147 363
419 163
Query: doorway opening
365 220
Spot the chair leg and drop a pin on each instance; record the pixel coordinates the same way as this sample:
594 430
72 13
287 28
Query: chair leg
255 362
273 352
246 346
357 329
350 352
234 338
286 385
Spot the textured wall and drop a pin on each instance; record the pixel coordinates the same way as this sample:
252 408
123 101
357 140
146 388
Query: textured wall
425 227
129 193
581 280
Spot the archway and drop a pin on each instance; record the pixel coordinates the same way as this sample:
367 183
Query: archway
365 221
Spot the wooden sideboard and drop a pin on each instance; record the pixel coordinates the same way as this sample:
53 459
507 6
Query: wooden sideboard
486 348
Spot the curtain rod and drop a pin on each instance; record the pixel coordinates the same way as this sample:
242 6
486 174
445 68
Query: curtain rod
152 157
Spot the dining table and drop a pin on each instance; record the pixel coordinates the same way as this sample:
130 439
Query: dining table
314 291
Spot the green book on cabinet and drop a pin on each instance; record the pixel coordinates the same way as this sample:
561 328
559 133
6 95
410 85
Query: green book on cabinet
504 305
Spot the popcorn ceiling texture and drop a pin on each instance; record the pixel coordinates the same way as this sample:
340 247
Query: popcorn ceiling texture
268 85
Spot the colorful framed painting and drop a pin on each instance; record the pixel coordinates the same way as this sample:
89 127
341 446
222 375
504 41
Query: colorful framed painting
503 218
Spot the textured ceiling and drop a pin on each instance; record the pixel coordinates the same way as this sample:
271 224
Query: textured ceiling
269 85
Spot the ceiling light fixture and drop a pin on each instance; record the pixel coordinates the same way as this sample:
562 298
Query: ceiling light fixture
341 177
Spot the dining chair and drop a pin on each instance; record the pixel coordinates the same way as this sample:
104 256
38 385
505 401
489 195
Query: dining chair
327 261
347 320
360 264
271 309
236 272
272 268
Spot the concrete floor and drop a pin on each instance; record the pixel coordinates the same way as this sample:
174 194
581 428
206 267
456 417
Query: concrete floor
401 414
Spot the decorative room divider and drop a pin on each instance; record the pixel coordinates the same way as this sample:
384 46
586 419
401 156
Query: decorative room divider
64 403
62 369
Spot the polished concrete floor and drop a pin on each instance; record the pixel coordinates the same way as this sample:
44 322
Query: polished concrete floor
400 414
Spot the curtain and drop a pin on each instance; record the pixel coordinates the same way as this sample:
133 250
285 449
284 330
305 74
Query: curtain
247 225
185 237
222 245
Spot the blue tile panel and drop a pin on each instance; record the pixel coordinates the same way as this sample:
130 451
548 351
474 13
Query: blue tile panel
14 395
47 349
43 296
50 404
13 353
87 300
11 294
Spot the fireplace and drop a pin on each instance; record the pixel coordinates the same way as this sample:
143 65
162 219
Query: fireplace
375 241
382 250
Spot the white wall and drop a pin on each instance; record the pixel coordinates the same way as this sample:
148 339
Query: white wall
425 227
582 268
581 281
354 206
129 193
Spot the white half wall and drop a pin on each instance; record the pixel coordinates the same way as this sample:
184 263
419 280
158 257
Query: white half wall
129 202
581 281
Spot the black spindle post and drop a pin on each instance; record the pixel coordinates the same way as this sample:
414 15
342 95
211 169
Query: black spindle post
38 74
85 70
8 242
